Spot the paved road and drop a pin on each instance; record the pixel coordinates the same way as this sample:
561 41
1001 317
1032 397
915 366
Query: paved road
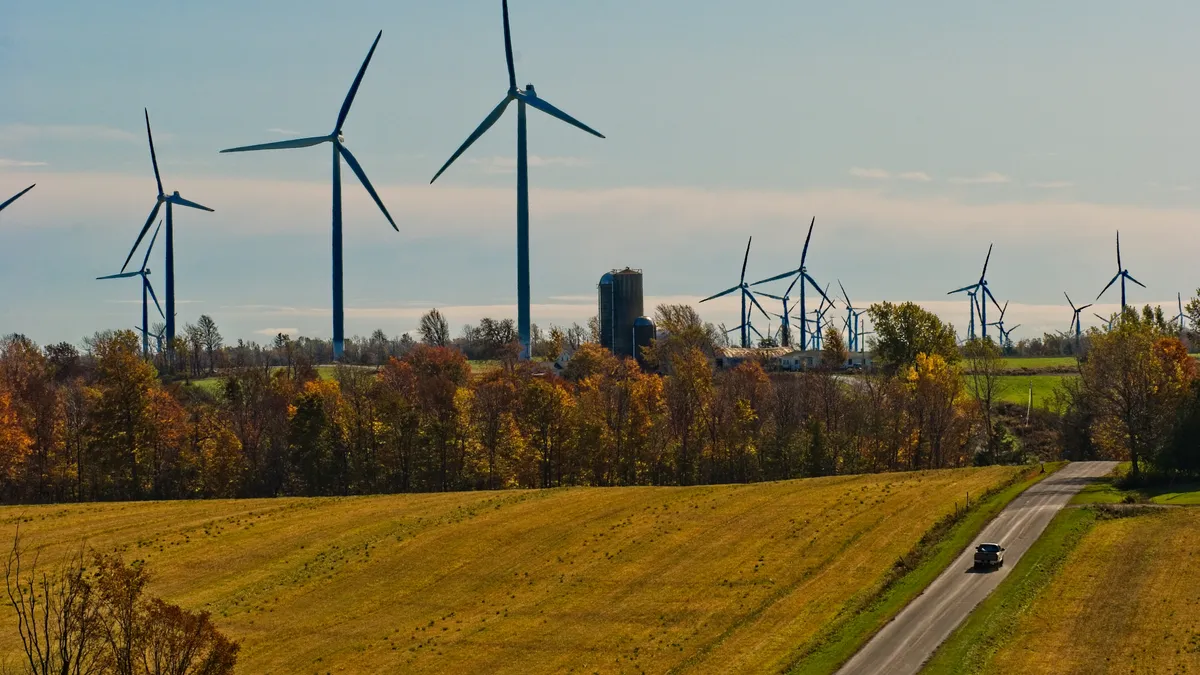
904 645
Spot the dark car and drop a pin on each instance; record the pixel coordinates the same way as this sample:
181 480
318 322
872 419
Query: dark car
989 555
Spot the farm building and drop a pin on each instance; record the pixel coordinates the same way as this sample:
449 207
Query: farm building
731 357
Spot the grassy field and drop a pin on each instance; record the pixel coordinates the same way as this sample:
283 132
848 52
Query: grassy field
1104 491
215 385
703 579
1015 388
1124 601
1040 362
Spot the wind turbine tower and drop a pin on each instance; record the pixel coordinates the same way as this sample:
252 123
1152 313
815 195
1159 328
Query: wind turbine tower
525 98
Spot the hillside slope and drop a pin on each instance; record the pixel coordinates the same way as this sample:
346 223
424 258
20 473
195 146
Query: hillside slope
708 579
1124 601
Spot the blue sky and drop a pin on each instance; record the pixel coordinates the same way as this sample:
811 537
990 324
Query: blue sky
916 134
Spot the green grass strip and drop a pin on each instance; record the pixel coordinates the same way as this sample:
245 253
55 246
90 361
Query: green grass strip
847 634
992 624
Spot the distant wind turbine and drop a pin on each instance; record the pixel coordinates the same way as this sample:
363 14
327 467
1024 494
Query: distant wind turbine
852 315
170 200
147 292
742 286
1076 324
1180 318
340 152
1108 322
802 276
524 98
1122 274
16 196
981 287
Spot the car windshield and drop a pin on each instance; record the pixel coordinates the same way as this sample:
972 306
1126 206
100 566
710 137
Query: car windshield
989 548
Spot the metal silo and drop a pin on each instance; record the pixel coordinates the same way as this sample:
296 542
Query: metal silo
606 311
644 333
620 305
627 307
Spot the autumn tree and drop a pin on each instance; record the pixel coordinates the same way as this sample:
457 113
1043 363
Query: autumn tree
210 338
936 388
905 330
122 420
833 349
434 329
985 365
1136 379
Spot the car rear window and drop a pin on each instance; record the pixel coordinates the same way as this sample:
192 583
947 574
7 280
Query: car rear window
989 548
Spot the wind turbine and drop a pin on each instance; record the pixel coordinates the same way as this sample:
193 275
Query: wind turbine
1108 322
746 294
524 98
170 200
981 287
1076 323
1122 274
820 322
340 152
852 315
147 292
1181 317
801 275
16 196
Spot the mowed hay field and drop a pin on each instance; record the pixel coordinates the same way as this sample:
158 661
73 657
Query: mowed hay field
1125 601
703 579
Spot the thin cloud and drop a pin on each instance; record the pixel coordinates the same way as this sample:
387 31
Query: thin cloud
272 332
918 176
989 178
284 132
24 133
1053 185
500 164
874 174
18 164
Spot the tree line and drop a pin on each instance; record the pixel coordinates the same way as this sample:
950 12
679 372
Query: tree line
105 424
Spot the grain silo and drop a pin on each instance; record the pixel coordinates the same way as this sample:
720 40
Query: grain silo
644 332
620 306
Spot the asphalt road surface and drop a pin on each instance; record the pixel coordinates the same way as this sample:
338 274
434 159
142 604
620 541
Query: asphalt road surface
904 645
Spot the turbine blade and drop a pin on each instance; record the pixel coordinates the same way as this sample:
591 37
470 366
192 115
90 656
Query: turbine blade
180 201
1119 268
754 301
751 327
746 259
17 196
1114 279
1130 277
508 51
1010 330
777 277
792 285
151 246
487 123
847 297
542 104
142 234
988 292
153 157
818 287
354 87
155 298
123 275
768 295
1084 307
362 176
985 264
964 288
1069 300
721 294
281 145
735 328
804 255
